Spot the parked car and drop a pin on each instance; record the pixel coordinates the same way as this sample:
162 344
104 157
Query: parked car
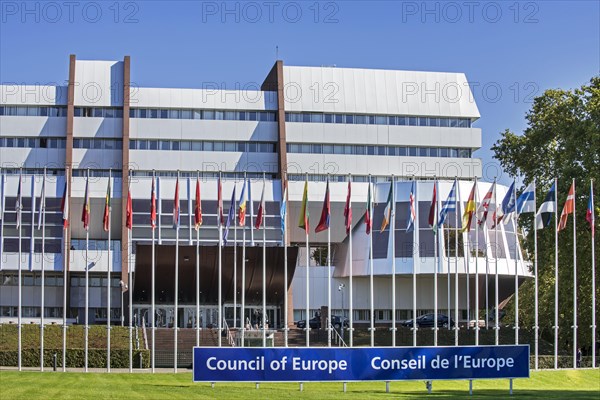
427 321
315 322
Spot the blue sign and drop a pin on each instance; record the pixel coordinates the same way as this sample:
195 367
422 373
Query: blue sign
227 364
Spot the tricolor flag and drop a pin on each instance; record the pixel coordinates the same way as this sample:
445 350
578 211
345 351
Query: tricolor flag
368 211
153 204
107 209
219 202
433 215
469 210
85 212
283 210
64 204
548 207
568 208
42 210
325 212
449 205
412 215
242 206
485 205
590 215
129 210
198 206
387 212
176 205
303 221
348 209
261 209
19 201
230 216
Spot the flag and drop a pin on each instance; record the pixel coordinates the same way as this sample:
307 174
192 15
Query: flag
176 205
469 210
129 211
449 205
251 207
410 227
368 219
64 204
107 209
261 209
153 205
433 215
198 206
42 210
526 201
2 198
85 212
303 221
19 201
219 202
548 207
242 206
387 212
230 216
486 203
348 209
590 216
325 213
283 210
568 208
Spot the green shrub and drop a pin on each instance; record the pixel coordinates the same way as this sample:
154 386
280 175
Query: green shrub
75 358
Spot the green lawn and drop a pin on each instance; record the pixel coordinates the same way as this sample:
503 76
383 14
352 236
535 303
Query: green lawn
562 384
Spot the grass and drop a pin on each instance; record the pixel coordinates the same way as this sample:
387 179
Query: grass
561 384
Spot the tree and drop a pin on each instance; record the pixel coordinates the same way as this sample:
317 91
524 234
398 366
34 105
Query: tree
562 140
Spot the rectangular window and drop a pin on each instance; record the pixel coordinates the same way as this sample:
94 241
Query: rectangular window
444 122
327 149
174 114
349 119
401 151
97 112
142 145
252 116
109 144
252 147
305 148
264 116
464 153
97 143
219 115
175 146
164 114
153 113
153 144
423 121
360 119
241 147
338 149
208 114
208 146
433 152
454 153
443 152
339 119
359 150
197 114
453 122
218 146
196 146
412 151
266 147
391 151
348 149
242 115
143 113
401 121
230 115
371 150
186 114
32 143
186 146
229 146
391 120
318 118
317 148
380 120
328 118
433 122
423 151
463 123
165 145
109 113
381 150
78 112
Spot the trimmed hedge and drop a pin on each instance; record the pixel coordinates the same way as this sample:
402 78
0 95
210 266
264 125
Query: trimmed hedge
547 362
76 358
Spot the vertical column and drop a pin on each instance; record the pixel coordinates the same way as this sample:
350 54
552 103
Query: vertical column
125 173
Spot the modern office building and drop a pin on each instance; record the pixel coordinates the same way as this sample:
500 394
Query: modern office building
302 123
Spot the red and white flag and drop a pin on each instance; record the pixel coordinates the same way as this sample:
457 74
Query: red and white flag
153 205
568 208
261 210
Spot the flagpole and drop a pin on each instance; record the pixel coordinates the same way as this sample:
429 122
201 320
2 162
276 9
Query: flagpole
264 271
516 265
329 275
197 267
130 277
574 279
235 223
285 262
435 268
243 316
220 277
593 222
416 261
467 257
108 277
307 327
393 231
457 203
372 310
535 272
20 223
176 223
87 273
477 268
350 300
497 322
556 273
42 305
486 237
153 290
65 267
447 252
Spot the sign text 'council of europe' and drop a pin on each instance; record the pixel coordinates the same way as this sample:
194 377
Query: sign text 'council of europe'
212 364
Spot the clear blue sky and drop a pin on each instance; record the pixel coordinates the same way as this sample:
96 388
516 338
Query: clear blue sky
521 48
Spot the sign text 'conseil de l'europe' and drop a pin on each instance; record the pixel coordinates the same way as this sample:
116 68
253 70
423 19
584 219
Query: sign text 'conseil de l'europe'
225 364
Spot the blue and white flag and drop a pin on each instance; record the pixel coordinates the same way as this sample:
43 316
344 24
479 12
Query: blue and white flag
230 216
282 212
548 207
449 205
19 201
526 201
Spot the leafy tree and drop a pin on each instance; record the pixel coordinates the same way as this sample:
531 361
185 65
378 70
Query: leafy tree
562 140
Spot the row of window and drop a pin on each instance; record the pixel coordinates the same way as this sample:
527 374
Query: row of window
98 144
401 151
263 116
12 279
362 315
34 142
98 112
206 145
34 111
378 120
31 312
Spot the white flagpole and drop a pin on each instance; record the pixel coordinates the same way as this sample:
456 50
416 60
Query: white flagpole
447 237
176 316
372 311
486 238
2 205
350 300
307 327
65 267
329 333
20 227
108 278
235 223
393 235
477 266
593 277
197 270
87 275
435 268
42 305
555 273
535 272
264 269
220 277
243 294
130 281
467 250
416 261
516 265
153 278
497 322
574 279
456 207
285 262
